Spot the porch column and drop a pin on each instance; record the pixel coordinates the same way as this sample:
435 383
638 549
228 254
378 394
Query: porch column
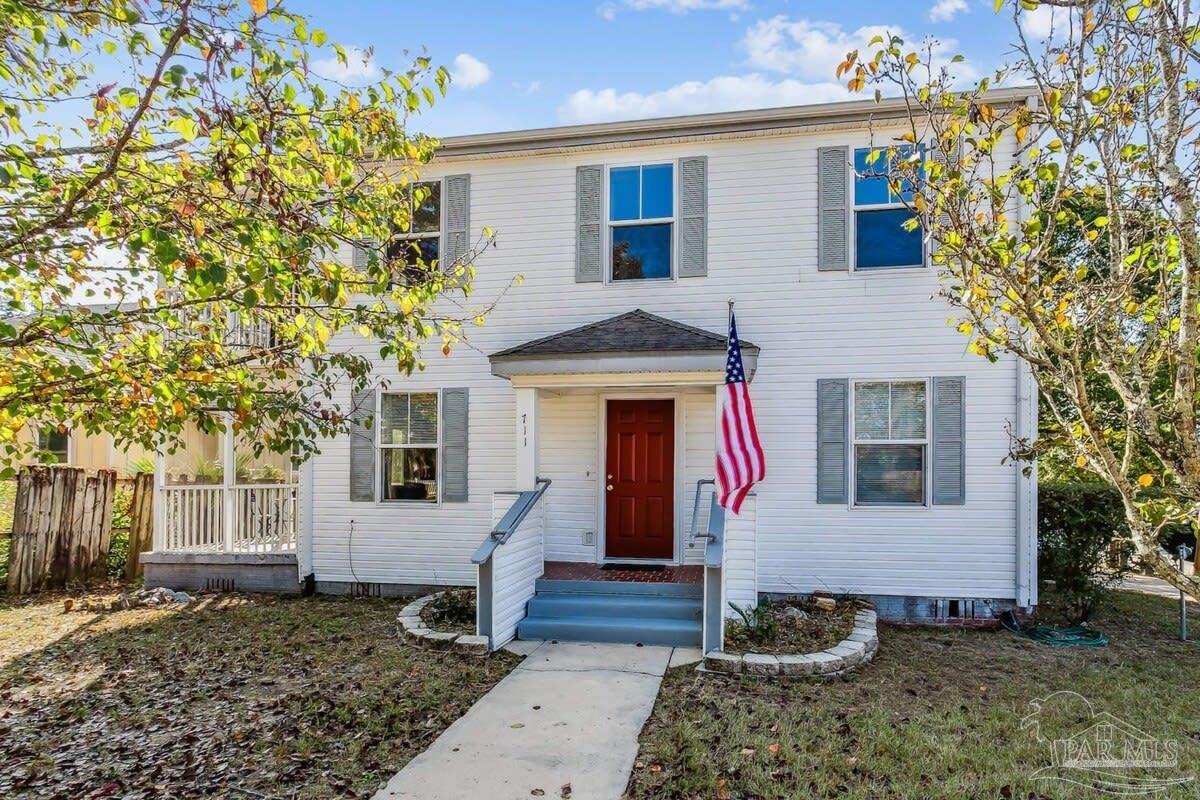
527 437
159 501
228 443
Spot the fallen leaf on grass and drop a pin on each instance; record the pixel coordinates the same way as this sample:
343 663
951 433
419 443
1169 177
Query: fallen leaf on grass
773 747
748 751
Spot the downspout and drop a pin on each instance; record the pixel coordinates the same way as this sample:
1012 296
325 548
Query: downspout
1026 476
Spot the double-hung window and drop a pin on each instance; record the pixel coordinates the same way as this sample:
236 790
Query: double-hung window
415 249
409 442
56 443
881 238
890 442
641 219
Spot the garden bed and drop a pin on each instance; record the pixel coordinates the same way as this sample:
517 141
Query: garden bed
444 620
789 627
452 611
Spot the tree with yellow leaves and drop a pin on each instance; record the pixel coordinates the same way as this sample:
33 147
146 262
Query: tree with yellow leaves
1081 255
184 167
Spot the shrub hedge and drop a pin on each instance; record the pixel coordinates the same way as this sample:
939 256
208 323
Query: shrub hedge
1081 528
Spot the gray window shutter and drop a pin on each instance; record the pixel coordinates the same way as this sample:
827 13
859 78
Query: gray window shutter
362 446
456 218
455 404
589 223
359 260
833 440
833 213
949 441
693 217
361 254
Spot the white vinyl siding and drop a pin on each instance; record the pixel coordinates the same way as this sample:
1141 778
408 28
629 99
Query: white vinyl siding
762 251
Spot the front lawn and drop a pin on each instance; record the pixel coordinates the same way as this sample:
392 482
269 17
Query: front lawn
937 715
231 697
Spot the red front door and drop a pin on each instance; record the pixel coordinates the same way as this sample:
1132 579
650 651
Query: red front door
640 479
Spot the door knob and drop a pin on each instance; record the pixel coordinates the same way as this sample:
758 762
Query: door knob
609 487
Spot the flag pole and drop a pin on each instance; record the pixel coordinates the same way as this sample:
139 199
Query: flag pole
729 320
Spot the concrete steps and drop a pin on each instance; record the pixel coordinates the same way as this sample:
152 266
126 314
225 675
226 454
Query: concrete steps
614 611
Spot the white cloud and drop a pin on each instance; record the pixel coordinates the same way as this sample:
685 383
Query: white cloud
360 66
726 93
469 71
684 6
946 10
1045 21
804 53
813 49
608 11
527 88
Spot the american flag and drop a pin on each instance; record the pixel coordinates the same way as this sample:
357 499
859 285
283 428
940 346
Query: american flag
740 462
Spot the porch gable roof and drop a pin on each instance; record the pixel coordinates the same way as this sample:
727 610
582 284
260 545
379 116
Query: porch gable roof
636 341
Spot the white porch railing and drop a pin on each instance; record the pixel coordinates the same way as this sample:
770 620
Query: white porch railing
193 518
235 519
264 518
509 562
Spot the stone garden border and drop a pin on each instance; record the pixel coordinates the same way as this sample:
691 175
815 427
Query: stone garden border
417 631
856 649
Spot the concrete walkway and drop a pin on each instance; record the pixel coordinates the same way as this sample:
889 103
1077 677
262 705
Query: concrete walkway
1147 584
564 723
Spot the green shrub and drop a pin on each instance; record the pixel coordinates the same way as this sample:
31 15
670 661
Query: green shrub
118 545
1081 547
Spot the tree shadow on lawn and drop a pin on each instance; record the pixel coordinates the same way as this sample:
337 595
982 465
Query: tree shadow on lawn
938 714
232 697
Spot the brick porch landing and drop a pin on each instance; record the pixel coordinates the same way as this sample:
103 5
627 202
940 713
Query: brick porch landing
579 571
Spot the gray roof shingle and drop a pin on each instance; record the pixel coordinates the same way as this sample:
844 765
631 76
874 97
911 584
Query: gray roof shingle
632 332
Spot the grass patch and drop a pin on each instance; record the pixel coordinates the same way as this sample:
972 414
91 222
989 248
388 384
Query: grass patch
283 698
938 714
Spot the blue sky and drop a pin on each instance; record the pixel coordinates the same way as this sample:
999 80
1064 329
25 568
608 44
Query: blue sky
526 64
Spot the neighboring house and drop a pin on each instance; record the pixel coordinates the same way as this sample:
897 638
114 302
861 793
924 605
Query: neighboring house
78 448
886 442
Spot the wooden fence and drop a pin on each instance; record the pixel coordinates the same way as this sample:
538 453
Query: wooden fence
62 524
141 524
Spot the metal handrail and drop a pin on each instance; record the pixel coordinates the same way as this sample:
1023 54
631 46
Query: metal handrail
511 520
520 509
700 484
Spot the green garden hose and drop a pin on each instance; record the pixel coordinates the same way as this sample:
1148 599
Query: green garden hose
1071 636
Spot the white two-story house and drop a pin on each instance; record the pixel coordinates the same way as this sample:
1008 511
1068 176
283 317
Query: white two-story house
559 459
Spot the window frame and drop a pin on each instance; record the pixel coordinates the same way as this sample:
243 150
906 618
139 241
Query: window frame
380 447
926 446
414 236
852 231
609 223
68 451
